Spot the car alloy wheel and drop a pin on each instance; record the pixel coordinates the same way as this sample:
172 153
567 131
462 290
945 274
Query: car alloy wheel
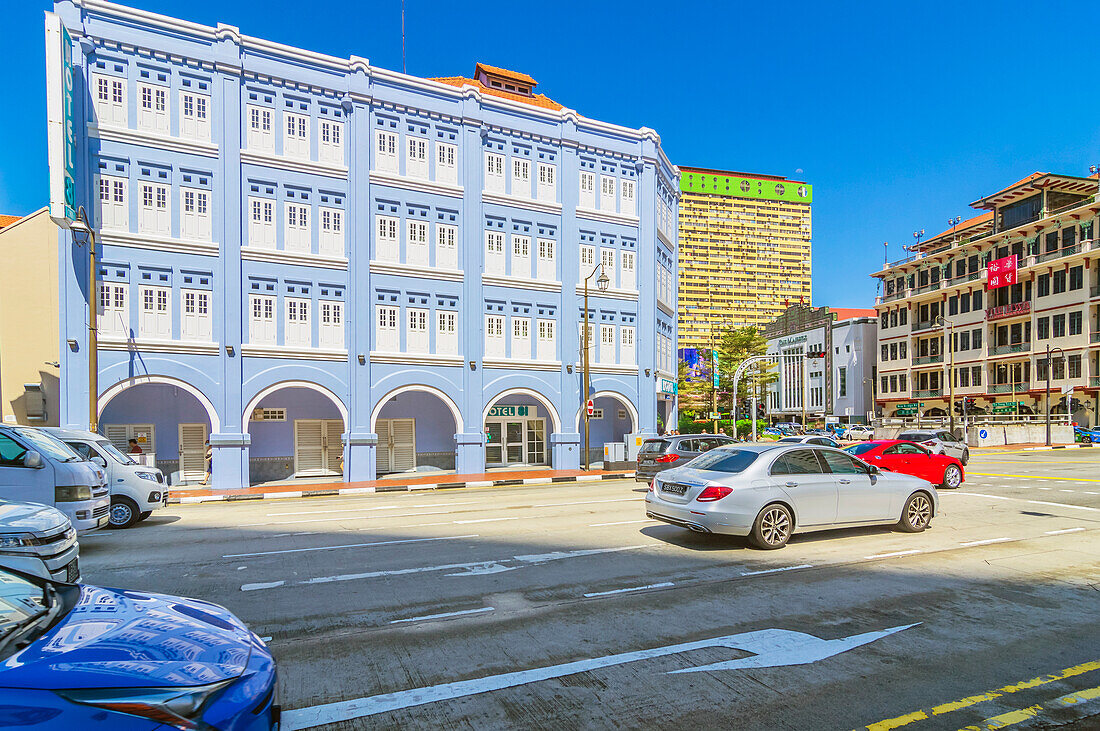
918 513
952 476
773 527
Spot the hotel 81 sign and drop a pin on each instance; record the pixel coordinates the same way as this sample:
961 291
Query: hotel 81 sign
61 136
1002 272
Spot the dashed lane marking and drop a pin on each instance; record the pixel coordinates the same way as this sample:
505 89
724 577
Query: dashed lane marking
1021 500
1011 718
620 522
775 571
1064 530
347 545
926 713
1034 477
443 615
985 542
662 585
892 555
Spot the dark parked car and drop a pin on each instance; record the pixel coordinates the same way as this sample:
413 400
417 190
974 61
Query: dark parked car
675 450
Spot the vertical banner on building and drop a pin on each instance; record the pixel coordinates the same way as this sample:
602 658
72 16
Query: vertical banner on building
714 366
61 136
1002 272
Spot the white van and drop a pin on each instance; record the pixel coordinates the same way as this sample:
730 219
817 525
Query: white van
136 490
36 467
39 540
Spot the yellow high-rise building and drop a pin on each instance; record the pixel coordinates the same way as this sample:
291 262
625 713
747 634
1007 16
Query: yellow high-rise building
744 250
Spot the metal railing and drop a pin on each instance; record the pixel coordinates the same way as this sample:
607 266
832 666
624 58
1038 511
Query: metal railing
927 324
1013 348
923 359
1008 387
928 393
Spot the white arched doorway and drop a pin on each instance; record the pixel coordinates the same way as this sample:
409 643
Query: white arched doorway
615 416
416 426
296 430
518 423
162 421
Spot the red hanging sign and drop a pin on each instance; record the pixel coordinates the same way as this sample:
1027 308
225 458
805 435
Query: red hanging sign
1002 272
590 407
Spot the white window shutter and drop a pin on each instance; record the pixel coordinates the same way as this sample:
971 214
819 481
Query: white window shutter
416 243
446 249
521 256
494 253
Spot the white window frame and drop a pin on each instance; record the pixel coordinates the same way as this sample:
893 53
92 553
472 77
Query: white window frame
330 325
261 128
154 312
446 332
521 177
330 240
261 319
446 163
194 115
112 210
626 197
494 336
114 310
297 326
446 246
297 231
546 349
521 338
607 263
152 108
588 259
547 183
385 151
494 253
330 141
109 100
387 237
196 315
520 255
587 197
416 243
154 209
627 345
416 157
494 172
628 277
607 343
195 223
416 329
261 222
387 338
296 135
607 193
546 267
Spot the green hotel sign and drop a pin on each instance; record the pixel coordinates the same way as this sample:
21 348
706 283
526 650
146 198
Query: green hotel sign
741 187
60 132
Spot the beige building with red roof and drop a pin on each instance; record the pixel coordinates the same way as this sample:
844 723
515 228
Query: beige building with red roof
946 329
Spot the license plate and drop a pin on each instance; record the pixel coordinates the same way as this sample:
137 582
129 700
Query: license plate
673 488
72 571
647 460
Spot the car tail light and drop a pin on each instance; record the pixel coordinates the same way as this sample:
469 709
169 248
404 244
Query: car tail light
930 443
651 487
712 493
665 458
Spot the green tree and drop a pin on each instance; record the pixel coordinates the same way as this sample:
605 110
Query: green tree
735 346
693 393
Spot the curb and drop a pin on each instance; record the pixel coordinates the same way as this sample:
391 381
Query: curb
185 500
1056 446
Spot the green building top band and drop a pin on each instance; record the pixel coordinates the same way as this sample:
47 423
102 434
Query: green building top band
738 187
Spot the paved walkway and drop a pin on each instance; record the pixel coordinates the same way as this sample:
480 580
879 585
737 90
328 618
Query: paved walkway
435 481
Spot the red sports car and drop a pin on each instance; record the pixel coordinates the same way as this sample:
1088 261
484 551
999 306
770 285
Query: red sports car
910 459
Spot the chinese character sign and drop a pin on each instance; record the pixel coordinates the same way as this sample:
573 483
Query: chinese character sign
1002 272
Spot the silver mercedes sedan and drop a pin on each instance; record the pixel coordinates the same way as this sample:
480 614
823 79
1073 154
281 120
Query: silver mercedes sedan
770 491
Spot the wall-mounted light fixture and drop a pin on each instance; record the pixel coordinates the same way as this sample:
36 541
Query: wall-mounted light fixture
647 372
473 365
569 368
73 346
362 359
229 350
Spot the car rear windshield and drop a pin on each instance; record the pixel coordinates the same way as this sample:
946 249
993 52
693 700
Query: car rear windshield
724 460
858 449
791 439
916 436
655 445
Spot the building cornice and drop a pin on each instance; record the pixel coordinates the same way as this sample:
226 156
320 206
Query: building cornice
422 186
520 283
607 217
153 242
516 201
378 356
281 256
282 351
404 270
280 162
150 345
630 295
149 139
522 365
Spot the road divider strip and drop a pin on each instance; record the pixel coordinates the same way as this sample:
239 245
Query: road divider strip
924 714
443 615
662 585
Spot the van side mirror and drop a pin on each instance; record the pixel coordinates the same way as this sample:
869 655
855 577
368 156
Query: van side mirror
32 459
97 460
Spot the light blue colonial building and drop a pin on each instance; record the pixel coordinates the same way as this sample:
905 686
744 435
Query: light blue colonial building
324 267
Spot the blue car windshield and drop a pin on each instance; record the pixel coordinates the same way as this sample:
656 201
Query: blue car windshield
724 460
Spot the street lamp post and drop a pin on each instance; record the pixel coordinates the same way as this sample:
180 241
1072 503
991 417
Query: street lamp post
602 282
949 332
83 234
1050 353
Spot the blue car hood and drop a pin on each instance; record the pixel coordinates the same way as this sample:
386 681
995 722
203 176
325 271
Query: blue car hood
115 638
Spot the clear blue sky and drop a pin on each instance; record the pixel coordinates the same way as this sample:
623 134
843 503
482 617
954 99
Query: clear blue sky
899 113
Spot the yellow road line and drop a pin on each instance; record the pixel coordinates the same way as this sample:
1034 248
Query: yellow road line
1011 718
920 715
1035 477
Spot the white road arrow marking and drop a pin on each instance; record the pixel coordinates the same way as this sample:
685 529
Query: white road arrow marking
773 648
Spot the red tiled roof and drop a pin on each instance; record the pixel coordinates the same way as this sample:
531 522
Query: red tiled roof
851 313
498 71
6 220
538 100
967 224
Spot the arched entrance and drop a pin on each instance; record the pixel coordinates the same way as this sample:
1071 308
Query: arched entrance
416 427
296 430
169 419
518 423
615 417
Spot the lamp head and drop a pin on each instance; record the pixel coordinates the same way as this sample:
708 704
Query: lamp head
603 281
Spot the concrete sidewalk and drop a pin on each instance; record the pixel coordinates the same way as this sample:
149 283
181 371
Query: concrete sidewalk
180 495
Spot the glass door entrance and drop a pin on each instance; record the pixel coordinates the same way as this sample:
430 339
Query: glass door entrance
515 441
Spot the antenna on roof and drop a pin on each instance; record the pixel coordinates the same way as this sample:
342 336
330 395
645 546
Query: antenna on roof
403 37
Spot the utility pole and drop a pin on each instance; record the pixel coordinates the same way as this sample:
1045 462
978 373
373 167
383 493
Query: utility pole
948 334
1050 352
602 282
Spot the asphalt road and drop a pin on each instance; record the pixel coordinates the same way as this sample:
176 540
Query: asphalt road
560 606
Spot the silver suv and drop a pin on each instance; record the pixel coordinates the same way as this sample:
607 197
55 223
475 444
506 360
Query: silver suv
675 450
939 442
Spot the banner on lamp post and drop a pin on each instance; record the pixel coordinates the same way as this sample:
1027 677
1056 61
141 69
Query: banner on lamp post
714 367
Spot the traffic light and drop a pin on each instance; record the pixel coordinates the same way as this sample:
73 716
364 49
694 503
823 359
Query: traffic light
815 353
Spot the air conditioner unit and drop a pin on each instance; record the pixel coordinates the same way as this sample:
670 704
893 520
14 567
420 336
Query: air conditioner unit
34 400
